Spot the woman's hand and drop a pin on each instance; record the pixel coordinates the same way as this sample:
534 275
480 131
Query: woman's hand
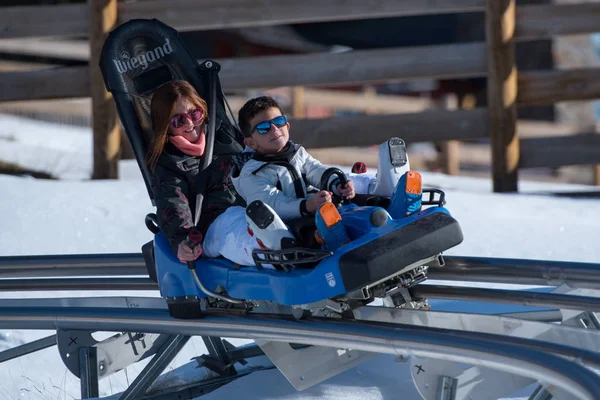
346 191
186 253
314 201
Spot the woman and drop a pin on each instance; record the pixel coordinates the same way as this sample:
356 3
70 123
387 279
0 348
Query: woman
179 117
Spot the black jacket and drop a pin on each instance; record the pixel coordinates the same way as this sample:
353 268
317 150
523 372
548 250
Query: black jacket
177 180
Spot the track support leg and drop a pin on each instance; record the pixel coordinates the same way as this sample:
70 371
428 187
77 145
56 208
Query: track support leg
540 394
218 352
447 388
88 375
159 362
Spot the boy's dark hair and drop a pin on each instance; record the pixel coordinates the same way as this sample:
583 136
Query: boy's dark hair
253 107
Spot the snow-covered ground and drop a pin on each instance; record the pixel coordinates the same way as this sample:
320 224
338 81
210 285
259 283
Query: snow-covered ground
77 216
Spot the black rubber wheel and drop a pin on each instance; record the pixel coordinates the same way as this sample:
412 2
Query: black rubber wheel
185 308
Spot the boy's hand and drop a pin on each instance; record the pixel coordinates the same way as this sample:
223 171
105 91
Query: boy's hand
346 191
313 202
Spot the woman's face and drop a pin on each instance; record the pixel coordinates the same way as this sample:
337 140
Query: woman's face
188 124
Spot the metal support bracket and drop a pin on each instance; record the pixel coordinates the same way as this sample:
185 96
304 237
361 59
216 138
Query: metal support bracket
481 382
308 366
113 354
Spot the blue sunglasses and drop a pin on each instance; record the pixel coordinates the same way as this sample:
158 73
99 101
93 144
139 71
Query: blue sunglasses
265 126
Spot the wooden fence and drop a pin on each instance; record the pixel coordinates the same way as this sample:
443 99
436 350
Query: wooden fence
494 59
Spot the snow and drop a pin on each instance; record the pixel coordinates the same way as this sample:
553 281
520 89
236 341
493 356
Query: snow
74 215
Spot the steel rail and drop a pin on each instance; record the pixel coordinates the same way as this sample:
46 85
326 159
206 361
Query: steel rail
64 265
457 268
505 325
479 349
578 343
518 271
520 297
89 283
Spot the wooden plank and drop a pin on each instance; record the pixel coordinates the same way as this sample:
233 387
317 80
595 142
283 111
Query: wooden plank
78 50
448 61
361 66
531 128
40 21
502 94
74 112
533 21
79 108
105 122
226 14
535 87
370 130
381 104
52 83
10 66
545 21
353 101
549 87
582 149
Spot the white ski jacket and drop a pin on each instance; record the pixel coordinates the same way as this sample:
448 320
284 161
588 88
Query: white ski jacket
281 182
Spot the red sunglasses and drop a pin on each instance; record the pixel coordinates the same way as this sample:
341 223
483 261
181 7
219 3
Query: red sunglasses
196 115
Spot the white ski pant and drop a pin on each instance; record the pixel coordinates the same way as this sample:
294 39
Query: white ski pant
363 183
228 235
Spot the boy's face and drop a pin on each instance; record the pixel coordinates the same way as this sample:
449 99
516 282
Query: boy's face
273 141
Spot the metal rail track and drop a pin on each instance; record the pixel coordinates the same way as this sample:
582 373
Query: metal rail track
95 272
53 266
521 271
574 343
516 297
558 359
522 357
88 283
480 269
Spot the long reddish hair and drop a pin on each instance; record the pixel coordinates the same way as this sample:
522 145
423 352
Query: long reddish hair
162 110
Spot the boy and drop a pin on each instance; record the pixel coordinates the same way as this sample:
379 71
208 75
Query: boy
280 173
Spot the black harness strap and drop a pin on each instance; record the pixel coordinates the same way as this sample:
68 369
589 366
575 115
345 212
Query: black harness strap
296 178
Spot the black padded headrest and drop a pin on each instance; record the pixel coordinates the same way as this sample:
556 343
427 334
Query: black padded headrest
137 58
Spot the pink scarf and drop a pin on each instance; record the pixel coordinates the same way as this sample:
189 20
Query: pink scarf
189 148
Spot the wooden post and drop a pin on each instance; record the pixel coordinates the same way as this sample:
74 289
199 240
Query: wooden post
448 155
105 123
370 94
502 93
126 149
298 106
